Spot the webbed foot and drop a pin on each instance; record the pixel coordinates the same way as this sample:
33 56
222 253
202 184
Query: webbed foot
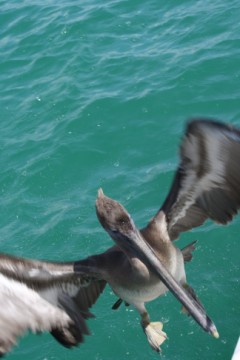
155 335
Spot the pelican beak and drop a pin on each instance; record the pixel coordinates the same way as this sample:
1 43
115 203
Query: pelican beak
119 225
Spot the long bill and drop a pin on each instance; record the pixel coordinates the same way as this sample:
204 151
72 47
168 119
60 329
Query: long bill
143 250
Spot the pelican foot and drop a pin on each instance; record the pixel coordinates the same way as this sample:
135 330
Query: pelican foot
155 335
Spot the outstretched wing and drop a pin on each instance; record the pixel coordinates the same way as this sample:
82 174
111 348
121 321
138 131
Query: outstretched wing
45 296
207 182
23 309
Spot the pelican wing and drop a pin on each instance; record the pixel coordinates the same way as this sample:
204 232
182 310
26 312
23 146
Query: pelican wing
207 182
45 296
23 309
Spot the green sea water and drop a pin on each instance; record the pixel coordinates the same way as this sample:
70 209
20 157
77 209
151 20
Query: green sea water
96 94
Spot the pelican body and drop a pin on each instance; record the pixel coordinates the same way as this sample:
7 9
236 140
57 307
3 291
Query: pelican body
142 264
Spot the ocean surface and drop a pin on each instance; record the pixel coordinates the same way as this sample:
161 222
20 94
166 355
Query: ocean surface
96 94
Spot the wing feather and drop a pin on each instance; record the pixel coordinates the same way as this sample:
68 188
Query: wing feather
207 182
22 310
64 294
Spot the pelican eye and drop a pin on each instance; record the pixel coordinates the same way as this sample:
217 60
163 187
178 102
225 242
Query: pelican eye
123 220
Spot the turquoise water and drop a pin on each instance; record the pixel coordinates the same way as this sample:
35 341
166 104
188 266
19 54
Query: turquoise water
96 94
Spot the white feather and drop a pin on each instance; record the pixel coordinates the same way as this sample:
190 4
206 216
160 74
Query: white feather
23 309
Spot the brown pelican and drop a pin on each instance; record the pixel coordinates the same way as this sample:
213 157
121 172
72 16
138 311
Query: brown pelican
143 264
